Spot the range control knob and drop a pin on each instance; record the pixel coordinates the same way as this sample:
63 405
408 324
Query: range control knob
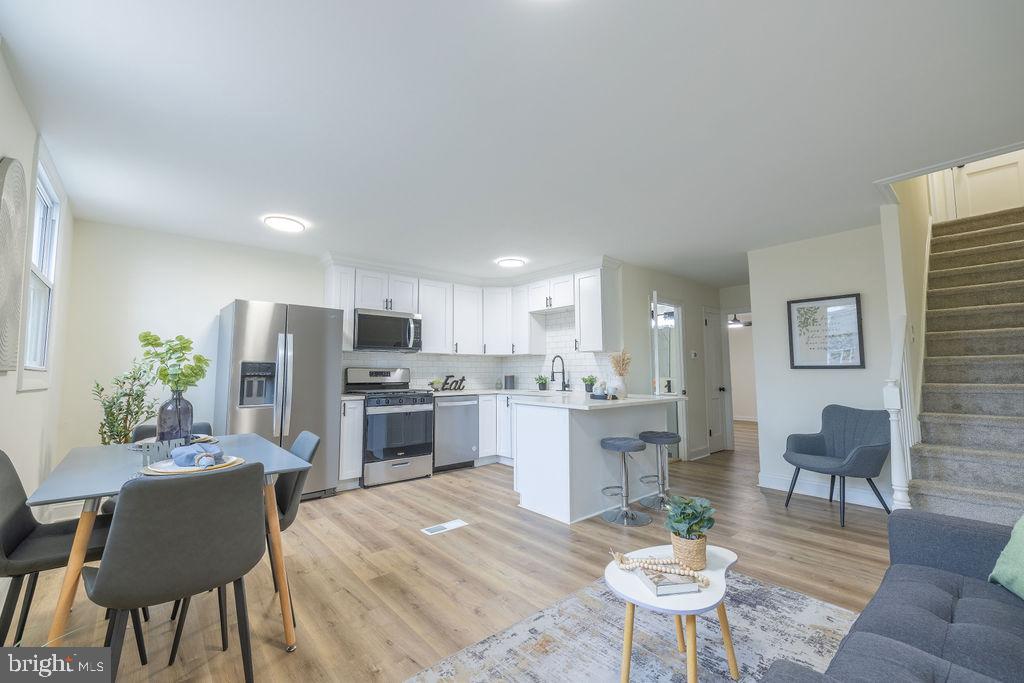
386 401
401 401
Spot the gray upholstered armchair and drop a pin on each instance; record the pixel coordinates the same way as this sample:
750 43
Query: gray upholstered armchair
851 443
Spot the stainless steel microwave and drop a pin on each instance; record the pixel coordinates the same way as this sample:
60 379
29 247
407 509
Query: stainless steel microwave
377 330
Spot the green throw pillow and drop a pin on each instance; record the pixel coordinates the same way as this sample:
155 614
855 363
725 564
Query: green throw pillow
1009 569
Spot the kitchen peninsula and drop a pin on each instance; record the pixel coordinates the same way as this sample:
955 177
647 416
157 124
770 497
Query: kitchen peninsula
560 467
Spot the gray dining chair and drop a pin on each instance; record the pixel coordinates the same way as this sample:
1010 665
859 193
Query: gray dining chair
174 537
852 443
28 547
288 487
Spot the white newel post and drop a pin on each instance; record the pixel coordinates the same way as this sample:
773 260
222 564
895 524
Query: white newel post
897 457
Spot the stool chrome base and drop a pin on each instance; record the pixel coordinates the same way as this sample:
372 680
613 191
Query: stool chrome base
626 517
655 501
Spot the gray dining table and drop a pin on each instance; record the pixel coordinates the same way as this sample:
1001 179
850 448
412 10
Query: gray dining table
92 473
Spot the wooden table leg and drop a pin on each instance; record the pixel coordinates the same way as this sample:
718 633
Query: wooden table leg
627 642
73 572
679 633
277 563
691 648
734 669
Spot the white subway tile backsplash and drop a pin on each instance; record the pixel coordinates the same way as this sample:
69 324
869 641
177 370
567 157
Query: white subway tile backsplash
486 372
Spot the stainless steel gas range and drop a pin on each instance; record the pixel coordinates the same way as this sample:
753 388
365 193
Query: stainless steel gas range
398 432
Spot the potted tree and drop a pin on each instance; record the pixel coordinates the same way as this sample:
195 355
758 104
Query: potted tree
178 368
689 520
126 404
542 382
588 383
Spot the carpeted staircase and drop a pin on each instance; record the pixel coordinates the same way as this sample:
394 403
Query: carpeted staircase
970 461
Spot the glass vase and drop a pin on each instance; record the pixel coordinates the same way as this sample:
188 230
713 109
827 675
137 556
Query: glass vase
174 420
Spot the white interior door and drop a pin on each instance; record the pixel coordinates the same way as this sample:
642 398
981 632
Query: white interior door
667 344
989 185
715 378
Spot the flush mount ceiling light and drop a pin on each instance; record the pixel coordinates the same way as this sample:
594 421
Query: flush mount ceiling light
511 261
284 223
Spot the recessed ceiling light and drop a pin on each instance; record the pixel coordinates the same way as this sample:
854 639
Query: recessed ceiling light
284 223
511 261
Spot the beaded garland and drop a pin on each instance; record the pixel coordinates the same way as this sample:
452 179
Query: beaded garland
666 565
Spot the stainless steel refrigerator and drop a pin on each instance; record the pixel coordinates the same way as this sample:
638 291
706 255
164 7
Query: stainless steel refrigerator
279 373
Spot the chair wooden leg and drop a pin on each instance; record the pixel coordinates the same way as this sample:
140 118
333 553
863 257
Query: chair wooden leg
7 615
792 484
842 501
831 487
879 496
243 628
222 606
140 640
270 554
178 630
26 604
120 621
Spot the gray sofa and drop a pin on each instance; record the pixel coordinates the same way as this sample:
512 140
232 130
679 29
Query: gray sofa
935 617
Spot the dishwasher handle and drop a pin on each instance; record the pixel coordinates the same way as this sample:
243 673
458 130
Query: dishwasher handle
453 404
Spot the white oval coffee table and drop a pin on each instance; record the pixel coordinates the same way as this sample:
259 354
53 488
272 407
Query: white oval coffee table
630 588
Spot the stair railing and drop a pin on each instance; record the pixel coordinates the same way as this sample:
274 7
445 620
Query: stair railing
897 398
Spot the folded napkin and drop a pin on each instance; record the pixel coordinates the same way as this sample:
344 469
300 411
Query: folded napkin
198 455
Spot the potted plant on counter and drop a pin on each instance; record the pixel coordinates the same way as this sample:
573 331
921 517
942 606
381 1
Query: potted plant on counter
542 382
588 383
689 520
176 368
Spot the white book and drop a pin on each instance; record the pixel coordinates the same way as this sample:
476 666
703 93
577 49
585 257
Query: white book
663 583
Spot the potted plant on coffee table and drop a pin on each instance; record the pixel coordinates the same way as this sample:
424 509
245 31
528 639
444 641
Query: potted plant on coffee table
689 520
588 383
542 382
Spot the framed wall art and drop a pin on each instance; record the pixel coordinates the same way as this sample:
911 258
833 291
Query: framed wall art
826 333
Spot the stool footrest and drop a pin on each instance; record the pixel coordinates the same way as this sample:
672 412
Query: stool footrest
612 490
649 479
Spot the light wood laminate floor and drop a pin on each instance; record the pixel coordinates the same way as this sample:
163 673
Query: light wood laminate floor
375 599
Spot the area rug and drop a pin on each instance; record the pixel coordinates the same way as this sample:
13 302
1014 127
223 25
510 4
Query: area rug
579 638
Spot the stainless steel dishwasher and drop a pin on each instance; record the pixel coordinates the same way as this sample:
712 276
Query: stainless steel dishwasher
456 432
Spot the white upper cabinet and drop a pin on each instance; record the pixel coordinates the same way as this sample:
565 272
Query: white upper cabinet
538 295
597 312
556 292
562 291
339 292
384 291
527 331
436 309
403 294
468 318
371 289
497 326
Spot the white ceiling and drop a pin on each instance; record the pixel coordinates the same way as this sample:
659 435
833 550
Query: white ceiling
674 134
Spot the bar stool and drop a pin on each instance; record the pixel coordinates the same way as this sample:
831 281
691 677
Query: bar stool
624 445
658 500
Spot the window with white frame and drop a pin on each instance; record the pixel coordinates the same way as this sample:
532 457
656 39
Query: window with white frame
41 274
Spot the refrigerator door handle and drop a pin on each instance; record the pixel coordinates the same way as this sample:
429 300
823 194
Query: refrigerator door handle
278 393
289 378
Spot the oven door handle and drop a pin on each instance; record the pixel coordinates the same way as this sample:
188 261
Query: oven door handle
389 410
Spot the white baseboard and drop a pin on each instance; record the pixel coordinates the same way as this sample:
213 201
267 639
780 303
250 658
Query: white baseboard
485 460
697 453
502 460
857 490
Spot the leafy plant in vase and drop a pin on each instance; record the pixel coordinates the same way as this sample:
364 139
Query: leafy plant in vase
178 370
542 382
620 366
689 520
126 404
588 383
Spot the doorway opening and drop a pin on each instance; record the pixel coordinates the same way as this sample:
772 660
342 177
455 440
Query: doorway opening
667 344
742 387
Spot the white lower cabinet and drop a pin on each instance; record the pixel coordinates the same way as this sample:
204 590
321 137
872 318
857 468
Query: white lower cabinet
351 439
503 411
488 426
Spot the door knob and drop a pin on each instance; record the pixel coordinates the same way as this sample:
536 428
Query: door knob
721 388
